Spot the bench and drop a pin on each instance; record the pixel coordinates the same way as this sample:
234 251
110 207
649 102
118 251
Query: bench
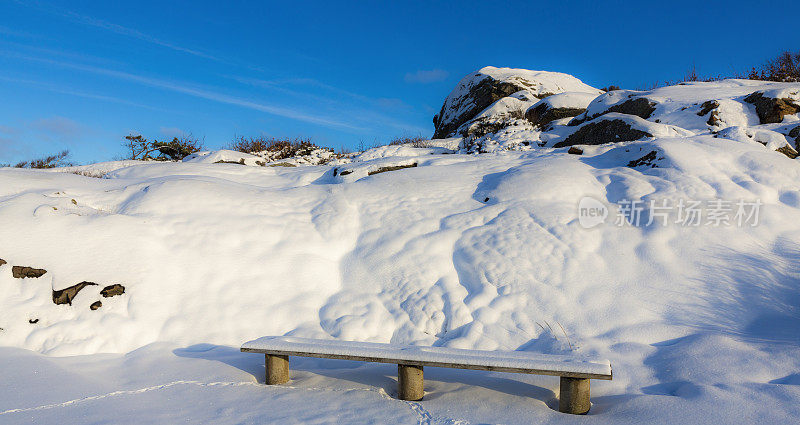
575 372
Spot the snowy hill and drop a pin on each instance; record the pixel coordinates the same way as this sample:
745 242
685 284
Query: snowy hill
689 286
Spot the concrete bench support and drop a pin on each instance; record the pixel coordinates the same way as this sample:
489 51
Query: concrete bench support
574 396
410 382
277 369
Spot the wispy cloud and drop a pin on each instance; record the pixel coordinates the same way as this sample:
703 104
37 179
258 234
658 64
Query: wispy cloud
199 92
426 77
59 127
115 28
58 89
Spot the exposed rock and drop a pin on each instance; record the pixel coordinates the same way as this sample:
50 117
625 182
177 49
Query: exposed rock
640 107
772 110
222 161
480 90
21 272
795 133
33 321
788 151
575 151
282 164
389 168
542 113
66 295
2 262
112 290
603 131
95 305
648 160
711 106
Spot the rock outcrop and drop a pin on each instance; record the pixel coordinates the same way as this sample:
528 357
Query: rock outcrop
772 109
112 290
66 295
22 272
480 90
558 106
604 131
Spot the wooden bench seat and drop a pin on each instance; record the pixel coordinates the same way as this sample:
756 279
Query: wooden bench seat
575 371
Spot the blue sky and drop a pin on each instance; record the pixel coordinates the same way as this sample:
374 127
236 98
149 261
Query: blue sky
81 75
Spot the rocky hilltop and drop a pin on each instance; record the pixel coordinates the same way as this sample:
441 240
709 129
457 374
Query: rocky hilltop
505 108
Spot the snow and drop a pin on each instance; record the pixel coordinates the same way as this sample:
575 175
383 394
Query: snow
462 251
498 359
567 100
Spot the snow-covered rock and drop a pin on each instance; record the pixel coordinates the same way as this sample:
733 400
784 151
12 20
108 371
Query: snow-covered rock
481 89
558 106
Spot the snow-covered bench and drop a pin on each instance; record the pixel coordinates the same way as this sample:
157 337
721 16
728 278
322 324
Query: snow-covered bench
575 372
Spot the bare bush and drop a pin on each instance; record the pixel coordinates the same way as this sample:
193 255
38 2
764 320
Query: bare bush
275 148
139 148
784 68
415 141
50 161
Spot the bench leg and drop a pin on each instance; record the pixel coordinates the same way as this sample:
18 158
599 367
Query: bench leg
410 382
277 369
574 396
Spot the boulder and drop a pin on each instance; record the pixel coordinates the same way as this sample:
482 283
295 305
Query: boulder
66 295
558 106
95 305
112 290
604 131
641 107
770 109
788 151
575 151
3 262
479 90
795 134
22 272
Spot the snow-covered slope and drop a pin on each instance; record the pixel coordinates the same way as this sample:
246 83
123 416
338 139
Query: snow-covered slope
428 247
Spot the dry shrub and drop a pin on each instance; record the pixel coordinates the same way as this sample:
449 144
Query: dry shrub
275 147
50 161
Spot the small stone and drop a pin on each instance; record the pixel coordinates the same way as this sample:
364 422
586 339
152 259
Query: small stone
21 272
95 305
575 151
33 321
66 295
112 290
74 202
2 262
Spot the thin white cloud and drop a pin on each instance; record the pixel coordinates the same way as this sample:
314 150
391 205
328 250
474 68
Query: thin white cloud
198 92
115 28
60 127
426 77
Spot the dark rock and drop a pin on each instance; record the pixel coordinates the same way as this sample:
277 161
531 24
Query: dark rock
640 106
33 321
95 305
346 172
3 262
771 110
543 114
66 295
788 151
390 168
575 151
648 160
282 164
480 97
795 133
603 131
21 272
487 125
711 106
222 161
112 290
